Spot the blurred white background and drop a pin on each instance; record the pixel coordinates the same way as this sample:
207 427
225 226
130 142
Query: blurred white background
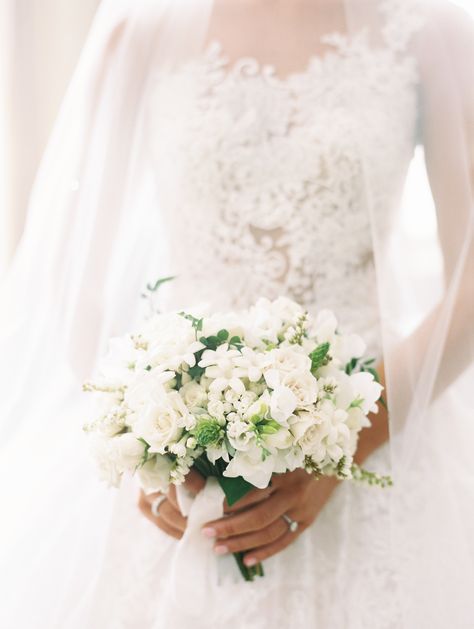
40 41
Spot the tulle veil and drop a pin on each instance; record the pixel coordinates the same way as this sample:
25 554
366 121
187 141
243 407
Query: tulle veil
93 238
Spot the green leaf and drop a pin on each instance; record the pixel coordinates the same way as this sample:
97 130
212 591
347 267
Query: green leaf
234 488
223 335
154 287
319 356
196 372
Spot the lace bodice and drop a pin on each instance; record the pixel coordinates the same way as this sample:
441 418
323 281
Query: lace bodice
274 179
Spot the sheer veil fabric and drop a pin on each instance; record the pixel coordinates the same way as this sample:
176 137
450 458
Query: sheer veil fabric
93 238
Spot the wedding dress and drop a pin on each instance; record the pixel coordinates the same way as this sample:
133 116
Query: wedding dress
262 192
270 204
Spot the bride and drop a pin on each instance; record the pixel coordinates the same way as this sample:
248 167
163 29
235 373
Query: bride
250 148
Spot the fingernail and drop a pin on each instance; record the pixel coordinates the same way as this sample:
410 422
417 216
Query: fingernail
221 550
208 532
250 561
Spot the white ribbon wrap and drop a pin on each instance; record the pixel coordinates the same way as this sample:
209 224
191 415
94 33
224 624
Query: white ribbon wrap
195 570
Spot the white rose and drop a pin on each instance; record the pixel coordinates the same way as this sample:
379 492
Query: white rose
193 394
322 434
116 455
162 420
286 309
128 451
155 474
289 358
304 386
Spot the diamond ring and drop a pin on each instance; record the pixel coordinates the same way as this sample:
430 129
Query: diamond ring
292 524
155 505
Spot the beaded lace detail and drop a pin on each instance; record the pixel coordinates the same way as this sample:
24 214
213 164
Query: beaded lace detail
272 173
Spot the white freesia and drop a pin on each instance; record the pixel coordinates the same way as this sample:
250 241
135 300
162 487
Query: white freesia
368 390
289 358
282 404
250 466
348 346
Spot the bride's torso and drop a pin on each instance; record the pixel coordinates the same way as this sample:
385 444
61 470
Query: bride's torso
267 184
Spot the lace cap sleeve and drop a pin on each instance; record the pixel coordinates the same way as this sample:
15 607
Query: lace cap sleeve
403 19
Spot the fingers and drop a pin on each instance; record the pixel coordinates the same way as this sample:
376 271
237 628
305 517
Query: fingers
194 481
252 498
264 552
253 519
170 520
271 533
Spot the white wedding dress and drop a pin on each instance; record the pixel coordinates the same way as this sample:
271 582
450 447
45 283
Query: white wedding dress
271 203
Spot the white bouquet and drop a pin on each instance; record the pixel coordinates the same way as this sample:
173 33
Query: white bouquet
240 396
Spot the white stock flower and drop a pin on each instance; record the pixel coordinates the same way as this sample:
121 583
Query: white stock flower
220 368
245 401
155 474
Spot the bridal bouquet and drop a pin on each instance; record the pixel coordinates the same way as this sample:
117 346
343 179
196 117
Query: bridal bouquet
239 395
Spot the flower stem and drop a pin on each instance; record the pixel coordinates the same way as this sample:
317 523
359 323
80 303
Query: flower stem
249 573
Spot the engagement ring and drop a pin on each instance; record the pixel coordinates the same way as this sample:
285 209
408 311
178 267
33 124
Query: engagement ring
292 524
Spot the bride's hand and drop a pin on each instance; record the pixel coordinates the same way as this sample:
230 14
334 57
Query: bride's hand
170 519
260 528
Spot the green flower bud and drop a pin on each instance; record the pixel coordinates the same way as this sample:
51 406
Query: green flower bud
208 432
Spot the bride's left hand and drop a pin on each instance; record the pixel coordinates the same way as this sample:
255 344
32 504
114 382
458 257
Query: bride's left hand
260 529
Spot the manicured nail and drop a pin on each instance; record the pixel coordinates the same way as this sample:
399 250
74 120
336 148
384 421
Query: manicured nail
221 550
250 561
208 532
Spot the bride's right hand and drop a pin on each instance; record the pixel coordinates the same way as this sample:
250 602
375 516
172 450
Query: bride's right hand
170 519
